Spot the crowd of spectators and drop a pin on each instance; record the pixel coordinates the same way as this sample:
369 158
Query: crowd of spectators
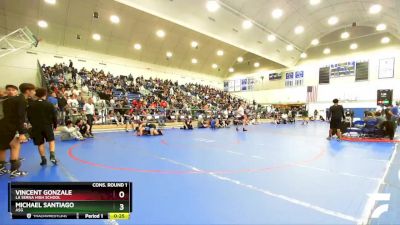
117 98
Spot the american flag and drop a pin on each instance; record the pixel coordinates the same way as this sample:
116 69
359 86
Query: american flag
312 93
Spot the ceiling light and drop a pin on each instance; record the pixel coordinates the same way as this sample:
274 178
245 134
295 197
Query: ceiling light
315 42
314 2
194 44
277 13
289 48
240 59
374 9
96 37
50 1
256 64
194 61
353 46
298 30
220 53
212 6
327 51
231 70
137 46
333 20
160 33
345 35
114 19
381 27
214 66
169 54
303 55
271 37
247 24
385 40
42 24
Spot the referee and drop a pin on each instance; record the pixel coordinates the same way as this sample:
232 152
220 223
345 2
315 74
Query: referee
336 113
43 118
88 108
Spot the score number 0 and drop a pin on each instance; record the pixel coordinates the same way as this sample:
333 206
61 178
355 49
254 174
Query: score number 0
121 194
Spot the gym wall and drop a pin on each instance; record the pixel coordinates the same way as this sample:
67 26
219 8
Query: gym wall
22 66
345 88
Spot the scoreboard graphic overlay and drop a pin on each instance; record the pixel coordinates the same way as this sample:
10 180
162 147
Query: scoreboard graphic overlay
70 200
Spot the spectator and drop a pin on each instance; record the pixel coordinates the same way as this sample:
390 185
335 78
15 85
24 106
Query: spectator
53 100
370 117
62 104
315 114
336 114
187 125
85 89
82 126
379 119
73 103
11 90
69 132
395 111
3 93
304 114
390 124
201 123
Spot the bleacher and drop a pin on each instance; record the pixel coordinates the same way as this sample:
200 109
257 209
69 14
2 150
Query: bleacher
119 95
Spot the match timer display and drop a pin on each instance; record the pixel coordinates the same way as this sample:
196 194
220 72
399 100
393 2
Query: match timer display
70 200
385 97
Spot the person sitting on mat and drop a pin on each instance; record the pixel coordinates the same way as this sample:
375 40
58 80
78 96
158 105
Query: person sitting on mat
369 117
222 123
145 129
187 125
83 129
201 123
69 132
284 118
277 118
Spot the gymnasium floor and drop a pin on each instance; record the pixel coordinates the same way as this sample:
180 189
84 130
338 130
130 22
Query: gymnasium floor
285 174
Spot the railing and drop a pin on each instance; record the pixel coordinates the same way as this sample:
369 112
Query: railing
42 81
112 115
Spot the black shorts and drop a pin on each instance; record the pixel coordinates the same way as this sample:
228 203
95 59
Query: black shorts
151 125
5 139
335 124
241 118
39 136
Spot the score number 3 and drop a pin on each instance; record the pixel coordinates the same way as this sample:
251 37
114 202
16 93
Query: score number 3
121 194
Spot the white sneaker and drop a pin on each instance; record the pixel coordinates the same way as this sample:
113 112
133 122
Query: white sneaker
17 173
4 171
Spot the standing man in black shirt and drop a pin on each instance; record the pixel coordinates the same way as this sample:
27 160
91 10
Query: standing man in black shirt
43 118
336 114
11 124
62 103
